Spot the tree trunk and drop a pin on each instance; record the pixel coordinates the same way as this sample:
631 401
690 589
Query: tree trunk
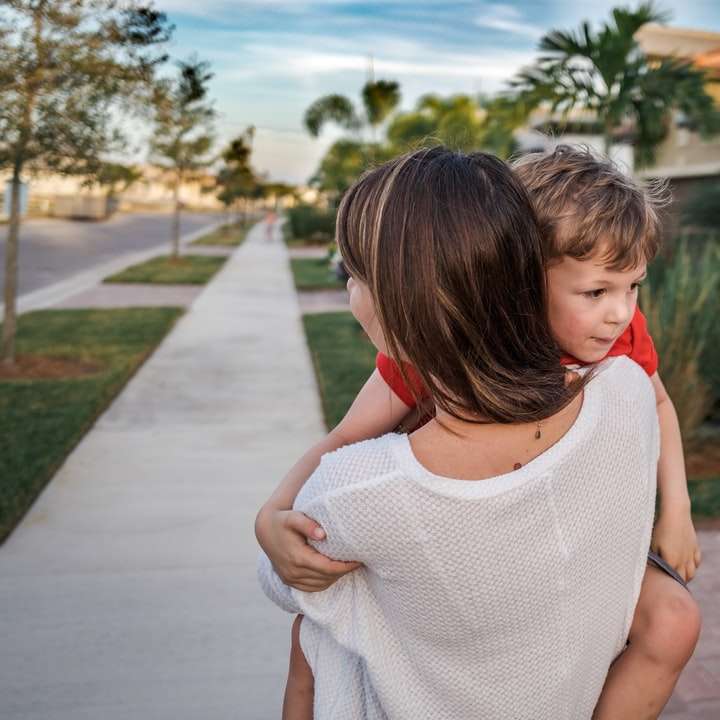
11 272
176 222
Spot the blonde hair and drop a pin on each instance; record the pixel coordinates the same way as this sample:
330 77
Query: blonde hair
585 204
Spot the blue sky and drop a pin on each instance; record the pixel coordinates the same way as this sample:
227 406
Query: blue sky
272 59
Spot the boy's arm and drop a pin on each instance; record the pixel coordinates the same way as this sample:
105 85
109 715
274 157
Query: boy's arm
281 532
674 536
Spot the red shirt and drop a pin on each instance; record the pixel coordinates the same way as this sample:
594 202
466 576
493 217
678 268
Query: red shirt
635 342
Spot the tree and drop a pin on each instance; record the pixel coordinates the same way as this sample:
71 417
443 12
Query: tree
114 178
460 122
279 190
235 179
456 121
344 162
379 98
183 130
64 66
607 73
347 158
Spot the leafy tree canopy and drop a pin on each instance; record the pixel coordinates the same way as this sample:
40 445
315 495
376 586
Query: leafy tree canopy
65 65
345 161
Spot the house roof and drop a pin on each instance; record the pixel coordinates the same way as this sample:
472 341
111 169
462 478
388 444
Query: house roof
663 41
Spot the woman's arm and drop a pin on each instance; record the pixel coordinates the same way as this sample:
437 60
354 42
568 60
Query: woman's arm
281 532
333 471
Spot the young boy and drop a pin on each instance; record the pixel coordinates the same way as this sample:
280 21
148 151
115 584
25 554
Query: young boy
599 230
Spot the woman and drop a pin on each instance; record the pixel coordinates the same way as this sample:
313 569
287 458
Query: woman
503 544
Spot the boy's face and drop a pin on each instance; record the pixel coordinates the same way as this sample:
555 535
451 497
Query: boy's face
590 306
363 308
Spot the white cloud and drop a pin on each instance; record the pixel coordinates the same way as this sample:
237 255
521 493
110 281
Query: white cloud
300 62
493 66
506 18
216 8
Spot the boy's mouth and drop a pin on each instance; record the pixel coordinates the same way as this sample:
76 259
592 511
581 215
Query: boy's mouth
604 341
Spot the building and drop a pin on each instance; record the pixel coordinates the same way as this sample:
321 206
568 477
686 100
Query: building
70 196
684 158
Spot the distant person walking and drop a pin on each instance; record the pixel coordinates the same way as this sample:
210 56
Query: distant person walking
270 220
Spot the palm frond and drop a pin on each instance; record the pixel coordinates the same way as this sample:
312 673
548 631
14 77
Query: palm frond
330 108
380 98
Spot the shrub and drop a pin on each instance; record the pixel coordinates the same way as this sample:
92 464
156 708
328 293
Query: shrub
680 301
311 224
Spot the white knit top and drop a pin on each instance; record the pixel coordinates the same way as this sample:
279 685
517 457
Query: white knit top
498 599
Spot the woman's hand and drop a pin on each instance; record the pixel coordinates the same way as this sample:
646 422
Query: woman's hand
283 535
674 539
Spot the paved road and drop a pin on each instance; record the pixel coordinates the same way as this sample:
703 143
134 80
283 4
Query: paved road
54 250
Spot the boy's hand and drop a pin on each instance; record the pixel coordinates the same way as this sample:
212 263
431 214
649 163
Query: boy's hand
674 539
283 535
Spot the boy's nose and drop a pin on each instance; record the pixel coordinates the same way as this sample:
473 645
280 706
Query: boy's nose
619 313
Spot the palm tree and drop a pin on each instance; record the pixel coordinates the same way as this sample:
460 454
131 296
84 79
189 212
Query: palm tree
347 158
379 99
607 73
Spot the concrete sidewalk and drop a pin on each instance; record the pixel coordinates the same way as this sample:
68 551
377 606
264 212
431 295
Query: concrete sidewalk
129 589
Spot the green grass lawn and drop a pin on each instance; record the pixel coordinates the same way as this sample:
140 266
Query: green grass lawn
314 274
230 235
163 270
344 358
41 421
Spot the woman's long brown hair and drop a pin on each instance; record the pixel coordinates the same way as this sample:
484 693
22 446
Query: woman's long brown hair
450 249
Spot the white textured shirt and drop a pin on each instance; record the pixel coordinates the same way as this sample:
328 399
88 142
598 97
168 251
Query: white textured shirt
498 599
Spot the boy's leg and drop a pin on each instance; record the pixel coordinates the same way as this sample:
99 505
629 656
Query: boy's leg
662 639
299 691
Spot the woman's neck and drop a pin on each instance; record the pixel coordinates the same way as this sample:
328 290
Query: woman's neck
476 450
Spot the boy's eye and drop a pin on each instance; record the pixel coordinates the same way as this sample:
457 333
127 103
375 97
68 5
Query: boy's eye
595 293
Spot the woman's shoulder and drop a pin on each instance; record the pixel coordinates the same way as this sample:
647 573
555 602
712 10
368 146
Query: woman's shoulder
624 386
622 373
360 462
370 457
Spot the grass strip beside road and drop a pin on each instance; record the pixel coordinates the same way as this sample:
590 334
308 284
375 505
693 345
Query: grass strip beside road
164 270
344 358
314 274
230 235
41 421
